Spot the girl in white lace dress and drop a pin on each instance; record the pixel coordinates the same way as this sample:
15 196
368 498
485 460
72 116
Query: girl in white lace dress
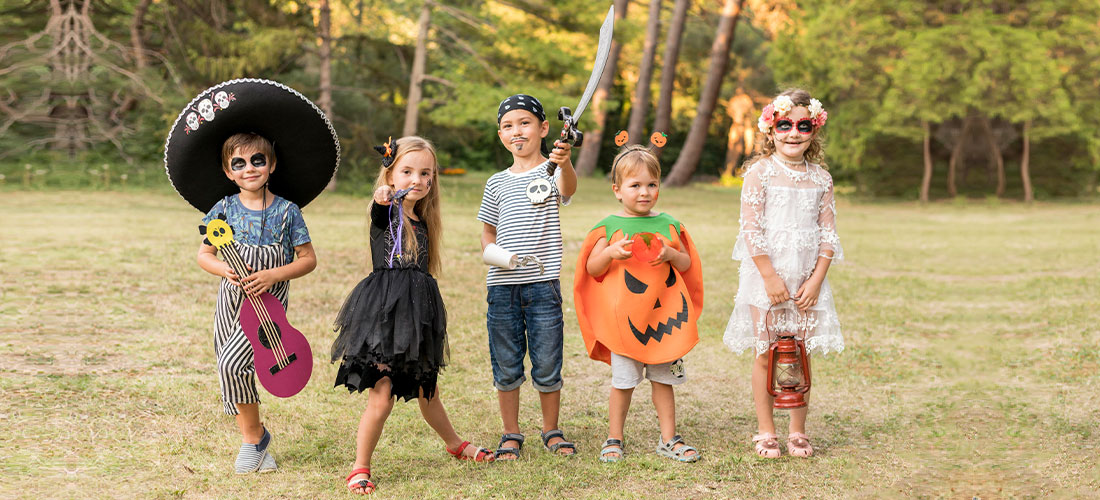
786 243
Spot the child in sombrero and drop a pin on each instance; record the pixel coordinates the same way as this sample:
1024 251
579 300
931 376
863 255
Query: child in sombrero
221 158
272 237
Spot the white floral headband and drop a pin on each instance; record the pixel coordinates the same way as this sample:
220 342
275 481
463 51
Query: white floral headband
782 106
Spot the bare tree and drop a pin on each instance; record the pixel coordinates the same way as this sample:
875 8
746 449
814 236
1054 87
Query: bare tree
590 153
668 70
640 106
70 102
686 164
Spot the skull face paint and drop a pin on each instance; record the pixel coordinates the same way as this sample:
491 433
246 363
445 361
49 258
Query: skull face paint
206 109
538 190
257 160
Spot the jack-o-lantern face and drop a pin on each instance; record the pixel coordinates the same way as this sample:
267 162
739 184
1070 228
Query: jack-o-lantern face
657 303
659 139
677 310
621 138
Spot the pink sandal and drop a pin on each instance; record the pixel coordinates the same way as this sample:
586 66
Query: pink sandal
766 445
798 445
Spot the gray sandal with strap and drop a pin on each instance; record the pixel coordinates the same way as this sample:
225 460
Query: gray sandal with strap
501 450
557 433
679 454
611 446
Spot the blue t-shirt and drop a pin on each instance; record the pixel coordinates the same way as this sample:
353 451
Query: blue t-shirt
246 223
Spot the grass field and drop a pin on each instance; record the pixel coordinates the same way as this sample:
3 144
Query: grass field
972 366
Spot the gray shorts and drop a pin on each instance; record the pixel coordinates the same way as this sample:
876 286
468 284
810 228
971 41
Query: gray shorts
626 373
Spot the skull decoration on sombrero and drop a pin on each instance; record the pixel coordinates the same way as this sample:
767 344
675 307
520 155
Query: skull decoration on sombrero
306 146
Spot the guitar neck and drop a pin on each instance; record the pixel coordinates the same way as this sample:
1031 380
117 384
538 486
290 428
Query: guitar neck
234 259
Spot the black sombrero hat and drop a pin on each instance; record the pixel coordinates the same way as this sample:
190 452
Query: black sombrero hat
307 150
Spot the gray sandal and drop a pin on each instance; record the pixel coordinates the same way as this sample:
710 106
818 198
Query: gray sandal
611 446
669 450
501 450
557 433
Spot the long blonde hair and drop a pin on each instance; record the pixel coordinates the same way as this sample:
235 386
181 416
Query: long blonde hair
765 145
426 209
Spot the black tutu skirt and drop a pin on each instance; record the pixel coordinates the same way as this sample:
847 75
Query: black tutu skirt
393 324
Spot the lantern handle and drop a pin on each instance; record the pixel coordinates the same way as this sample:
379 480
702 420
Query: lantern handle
767 315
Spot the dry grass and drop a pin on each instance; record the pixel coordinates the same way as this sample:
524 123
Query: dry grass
971 369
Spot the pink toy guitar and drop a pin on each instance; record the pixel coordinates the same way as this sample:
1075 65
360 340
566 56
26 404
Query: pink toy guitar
284 361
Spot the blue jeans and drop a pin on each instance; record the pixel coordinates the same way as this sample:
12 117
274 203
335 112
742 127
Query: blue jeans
525 318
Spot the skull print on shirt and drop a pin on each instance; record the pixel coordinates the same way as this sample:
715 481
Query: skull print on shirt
538 190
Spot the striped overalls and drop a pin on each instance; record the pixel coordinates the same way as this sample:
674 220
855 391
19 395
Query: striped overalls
236 365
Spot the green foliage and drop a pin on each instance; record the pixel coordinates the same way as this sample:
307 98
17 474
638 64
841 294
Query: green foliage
882 68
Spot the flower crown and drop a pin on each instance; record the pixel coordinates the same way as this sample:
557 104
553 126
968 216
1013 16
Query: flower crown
782 106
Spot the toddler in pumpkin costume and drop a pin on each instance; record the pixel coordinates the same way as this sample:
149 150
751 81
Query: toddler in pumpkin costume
639 292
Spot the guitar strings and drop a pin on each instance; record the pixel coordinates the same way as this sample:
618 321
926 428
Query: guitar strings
257 306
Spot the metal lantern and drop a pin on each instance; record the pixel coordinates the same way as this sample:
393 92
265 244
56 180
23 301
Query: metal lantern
788 369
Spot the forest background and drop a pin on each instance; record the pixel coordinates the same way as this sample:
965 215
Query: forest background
928 100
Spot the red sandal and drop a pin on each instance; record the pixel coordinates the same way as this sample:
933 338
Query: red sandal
482 454
366 487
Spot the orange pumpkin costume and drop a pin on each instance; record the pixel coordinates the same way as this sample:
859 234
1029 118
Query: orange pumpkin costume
644 312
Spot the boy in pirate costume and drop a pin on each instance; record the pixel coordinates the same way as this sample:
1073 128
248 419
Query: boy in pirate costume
519 210
221 158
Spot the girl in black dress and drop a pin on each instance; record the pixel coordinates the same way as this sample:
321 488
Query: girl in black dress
392 329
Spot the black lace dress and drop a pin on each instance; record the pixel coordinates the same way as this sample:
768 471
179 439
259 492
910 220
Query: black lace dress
393 323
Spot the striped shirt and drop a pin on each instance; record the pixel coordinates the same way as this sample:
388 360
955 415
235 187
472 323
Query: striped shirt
524 227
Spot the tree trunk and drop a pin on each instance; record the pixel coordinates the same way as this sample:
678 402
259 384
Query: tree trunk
926 180
668 70
1025 172
995 154
417 76
324 101
136 41
956 152
719 58
590 153
640 107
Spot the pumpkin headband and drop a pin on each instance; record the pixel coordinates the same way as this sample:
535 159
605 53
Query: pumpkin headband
782 106
387 152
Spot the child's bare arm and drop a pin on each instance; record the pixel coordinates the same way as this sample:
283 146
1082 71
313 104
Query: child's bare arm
599 259
567 181
208 261
773 284
305 261
488 235
808 292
